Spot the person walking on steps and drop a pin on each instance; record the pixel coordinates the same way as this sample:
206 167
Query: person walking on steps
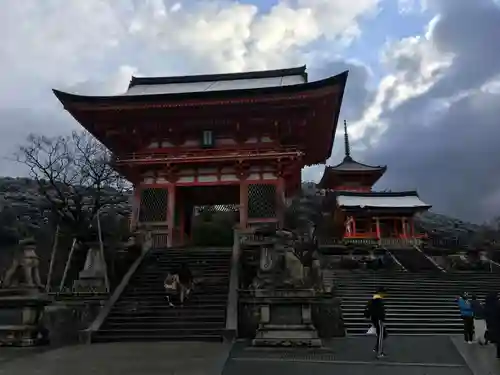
467 314
375 311
479 321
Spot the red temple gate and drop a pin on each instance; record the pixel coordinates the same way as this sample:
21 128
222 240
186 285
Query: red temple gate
238 140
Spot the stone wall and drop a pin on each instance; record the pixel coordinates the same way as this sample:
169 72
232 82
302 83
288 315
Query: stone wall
327 318
65 319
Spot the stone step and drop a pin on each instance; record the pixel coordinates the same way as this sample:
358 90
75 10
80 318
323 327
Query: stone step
403 312
172 267
413 276
403 303
189 259
118 336
395 288
363 295
152 294
162 303
416 324
174 324
162 309
455 319
168 315
370 280
361 331
148 275
158 288
155 296
165 332
402 298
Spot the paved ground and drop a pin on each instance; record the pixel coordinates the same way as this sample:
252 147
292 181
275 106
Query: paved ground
123 359
480 359
423 355
417 355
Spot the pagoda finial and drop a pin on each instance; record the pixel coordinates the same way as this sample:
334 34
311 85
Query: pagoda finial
346 142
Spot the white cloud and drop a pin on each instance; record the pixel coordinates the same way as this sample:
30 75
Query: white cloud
93 46
66 41
412 6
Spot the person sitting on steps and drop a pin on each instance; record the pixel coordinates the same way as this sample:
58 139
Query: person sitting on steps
171 285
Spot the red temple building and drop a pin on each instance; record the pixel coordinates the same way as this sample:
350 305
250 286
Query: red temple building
368 214
235 139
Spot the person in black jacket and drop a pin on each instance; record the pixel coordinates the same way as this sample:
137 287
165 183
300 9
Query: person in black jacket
375 311
492 317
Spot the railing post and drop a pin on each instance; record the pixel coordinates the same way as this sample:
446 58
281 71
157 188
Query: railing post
231 330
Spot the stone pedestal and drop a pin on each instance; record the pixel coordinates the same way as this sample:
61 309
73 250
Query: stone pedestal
286 318
92 278
20 313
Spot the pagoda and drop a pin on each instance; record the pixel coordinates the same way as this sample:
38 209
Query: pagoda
368 214
220 139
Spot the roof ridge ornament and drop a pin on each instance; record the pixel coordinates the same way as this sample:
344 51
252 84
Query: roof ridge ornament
346 143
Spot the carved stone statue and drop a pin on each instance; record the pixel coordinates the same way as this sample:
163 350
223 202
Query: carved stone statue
280 265
283 293
24 268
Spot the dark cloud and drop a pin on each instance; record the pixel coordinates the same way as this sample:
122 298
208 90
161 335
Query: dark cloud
356 99
17 123
356 96
451 155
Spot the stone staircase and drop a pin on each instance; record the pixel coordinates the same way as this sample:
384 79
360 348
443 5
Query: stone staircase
142 313
417 303
414 260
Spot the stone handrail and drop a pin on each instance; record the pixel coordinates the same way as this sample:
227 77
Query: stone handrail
231 330
430 259
86 335
395 260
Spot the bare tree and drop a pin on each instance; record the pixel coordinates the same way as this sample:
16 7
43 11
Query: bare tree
74 175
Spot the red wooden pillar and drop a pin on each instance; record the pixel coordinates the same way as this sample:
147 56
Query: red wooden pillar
280 202
243 204
181 211
403 225
412 227
395 223
171 214
377 227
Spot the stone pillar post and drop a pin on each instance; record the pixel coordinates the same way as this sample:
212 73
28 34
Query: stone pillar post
136 205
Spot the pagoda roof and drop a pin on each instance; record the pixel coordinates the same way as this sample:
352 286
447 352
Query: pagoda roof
350 169
348 164
398 200
211 86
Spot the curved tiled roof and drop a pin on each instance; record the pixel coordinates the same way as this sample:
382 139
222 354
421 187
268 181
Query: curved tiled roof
351 165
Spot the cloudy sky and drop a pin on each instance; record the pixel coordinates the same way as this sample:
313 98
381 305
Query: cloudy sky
423 91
